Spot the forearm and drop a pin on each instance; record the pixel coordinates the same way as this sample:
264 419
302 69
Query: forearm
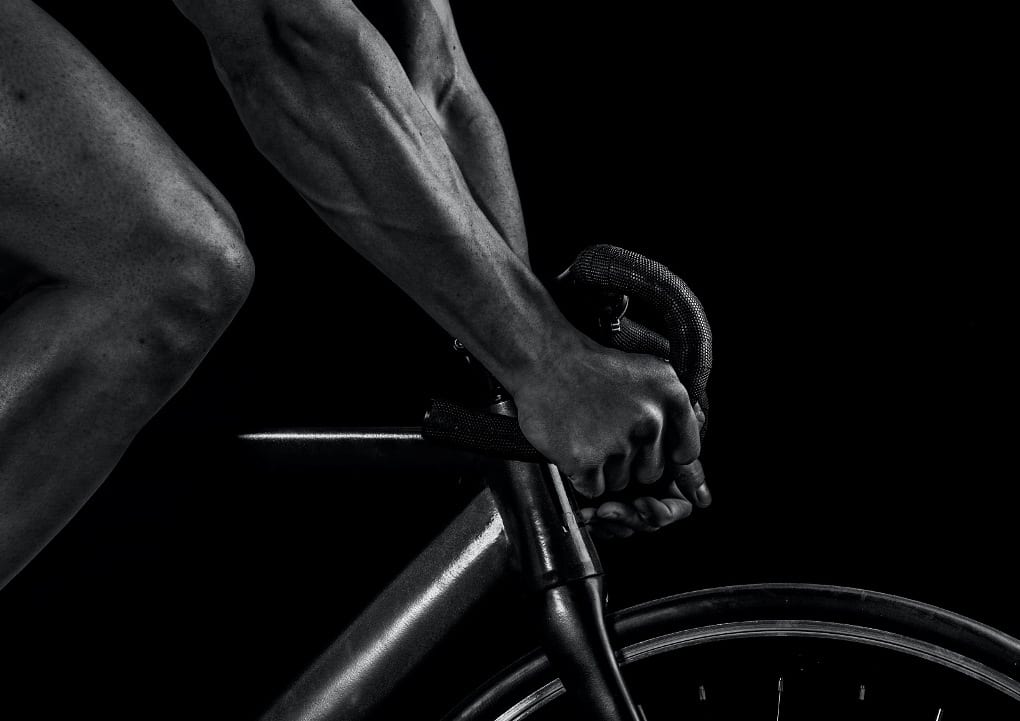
423 35
433 57
327 101
329 104
475 137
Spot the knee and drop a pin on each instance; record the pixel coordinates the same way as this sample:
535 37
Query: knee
192 274
210 270
209 277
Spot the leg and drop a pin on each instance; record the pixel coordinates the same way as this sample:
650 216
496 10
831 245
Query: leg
121 265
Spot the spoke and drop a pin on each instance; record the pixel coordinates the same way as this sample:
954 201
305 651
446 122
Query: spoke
641 713
938 716
779 698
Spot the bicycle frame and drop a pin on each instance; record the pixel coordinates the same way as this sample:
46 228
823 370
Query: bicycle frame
523 521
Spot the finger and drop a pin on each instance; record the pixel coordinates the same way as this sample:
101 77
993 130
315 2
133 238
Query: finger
649 463
690 478
699 415
679 507
662 512
623 513
617 470
589 482
685 441
603 528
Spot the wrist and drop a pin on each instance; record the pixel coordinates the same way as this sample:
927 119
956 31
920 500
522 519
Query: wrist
516 330
546 353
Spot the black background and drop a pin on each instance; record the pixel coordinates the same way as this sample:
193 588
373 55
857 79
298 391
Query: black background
825 183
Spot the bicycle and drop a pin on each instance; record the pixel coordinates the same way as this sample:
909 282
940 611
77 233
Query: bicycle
810 651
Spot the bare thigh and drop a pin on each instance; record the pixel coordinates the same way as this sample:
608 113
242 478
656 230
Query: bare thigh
89 182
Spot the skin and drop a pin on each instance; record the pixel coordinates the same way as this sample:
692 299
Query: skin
120 265
401 156
430 51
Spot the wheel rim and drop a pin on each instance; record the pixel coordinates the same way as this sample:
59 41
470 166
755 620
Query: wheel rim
872 620
861 635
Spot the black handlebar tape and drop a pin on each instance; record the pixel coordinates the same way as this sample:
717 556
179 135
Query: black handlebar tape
608 268
493 435
636 338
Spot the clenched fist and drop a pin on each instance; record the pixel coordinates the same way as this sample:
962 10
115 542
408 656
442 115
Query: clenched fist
609 419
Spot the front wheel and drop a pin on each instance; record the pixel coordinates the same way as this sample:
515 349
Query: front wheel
786 652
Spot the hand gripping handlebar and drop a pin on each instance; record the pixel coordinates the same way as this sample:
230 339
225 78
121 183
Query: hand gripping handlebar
686 341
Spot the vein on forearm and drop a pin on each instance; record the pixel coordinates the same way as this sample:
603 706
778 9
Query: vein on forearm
337 115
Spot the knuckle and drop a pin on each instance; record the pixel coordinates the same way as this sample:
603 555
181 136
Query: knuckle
692 473
648 420
619 451
690 446
577 460
685 454
645 429
680 392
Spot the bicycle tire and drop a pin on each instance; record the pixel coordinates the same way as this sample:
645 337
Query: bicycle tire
789 611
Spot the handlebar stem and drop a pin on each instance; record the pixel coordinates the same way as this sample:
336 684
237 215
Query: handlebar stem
562 573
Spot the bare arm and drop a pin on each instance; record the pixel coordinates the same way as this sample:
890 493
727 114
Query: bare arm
327 101
432 54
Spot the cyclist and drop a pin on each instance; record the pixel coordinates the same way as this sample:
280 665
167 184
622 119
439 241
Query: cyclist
121 264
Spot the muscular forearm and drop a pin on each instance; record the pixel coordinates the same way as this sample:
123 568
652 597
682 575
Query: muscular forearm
327 101
433 56
423 35
475 137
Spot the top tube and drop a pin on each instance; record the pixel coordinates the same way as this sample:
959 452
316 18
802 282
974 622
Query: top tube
354 449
